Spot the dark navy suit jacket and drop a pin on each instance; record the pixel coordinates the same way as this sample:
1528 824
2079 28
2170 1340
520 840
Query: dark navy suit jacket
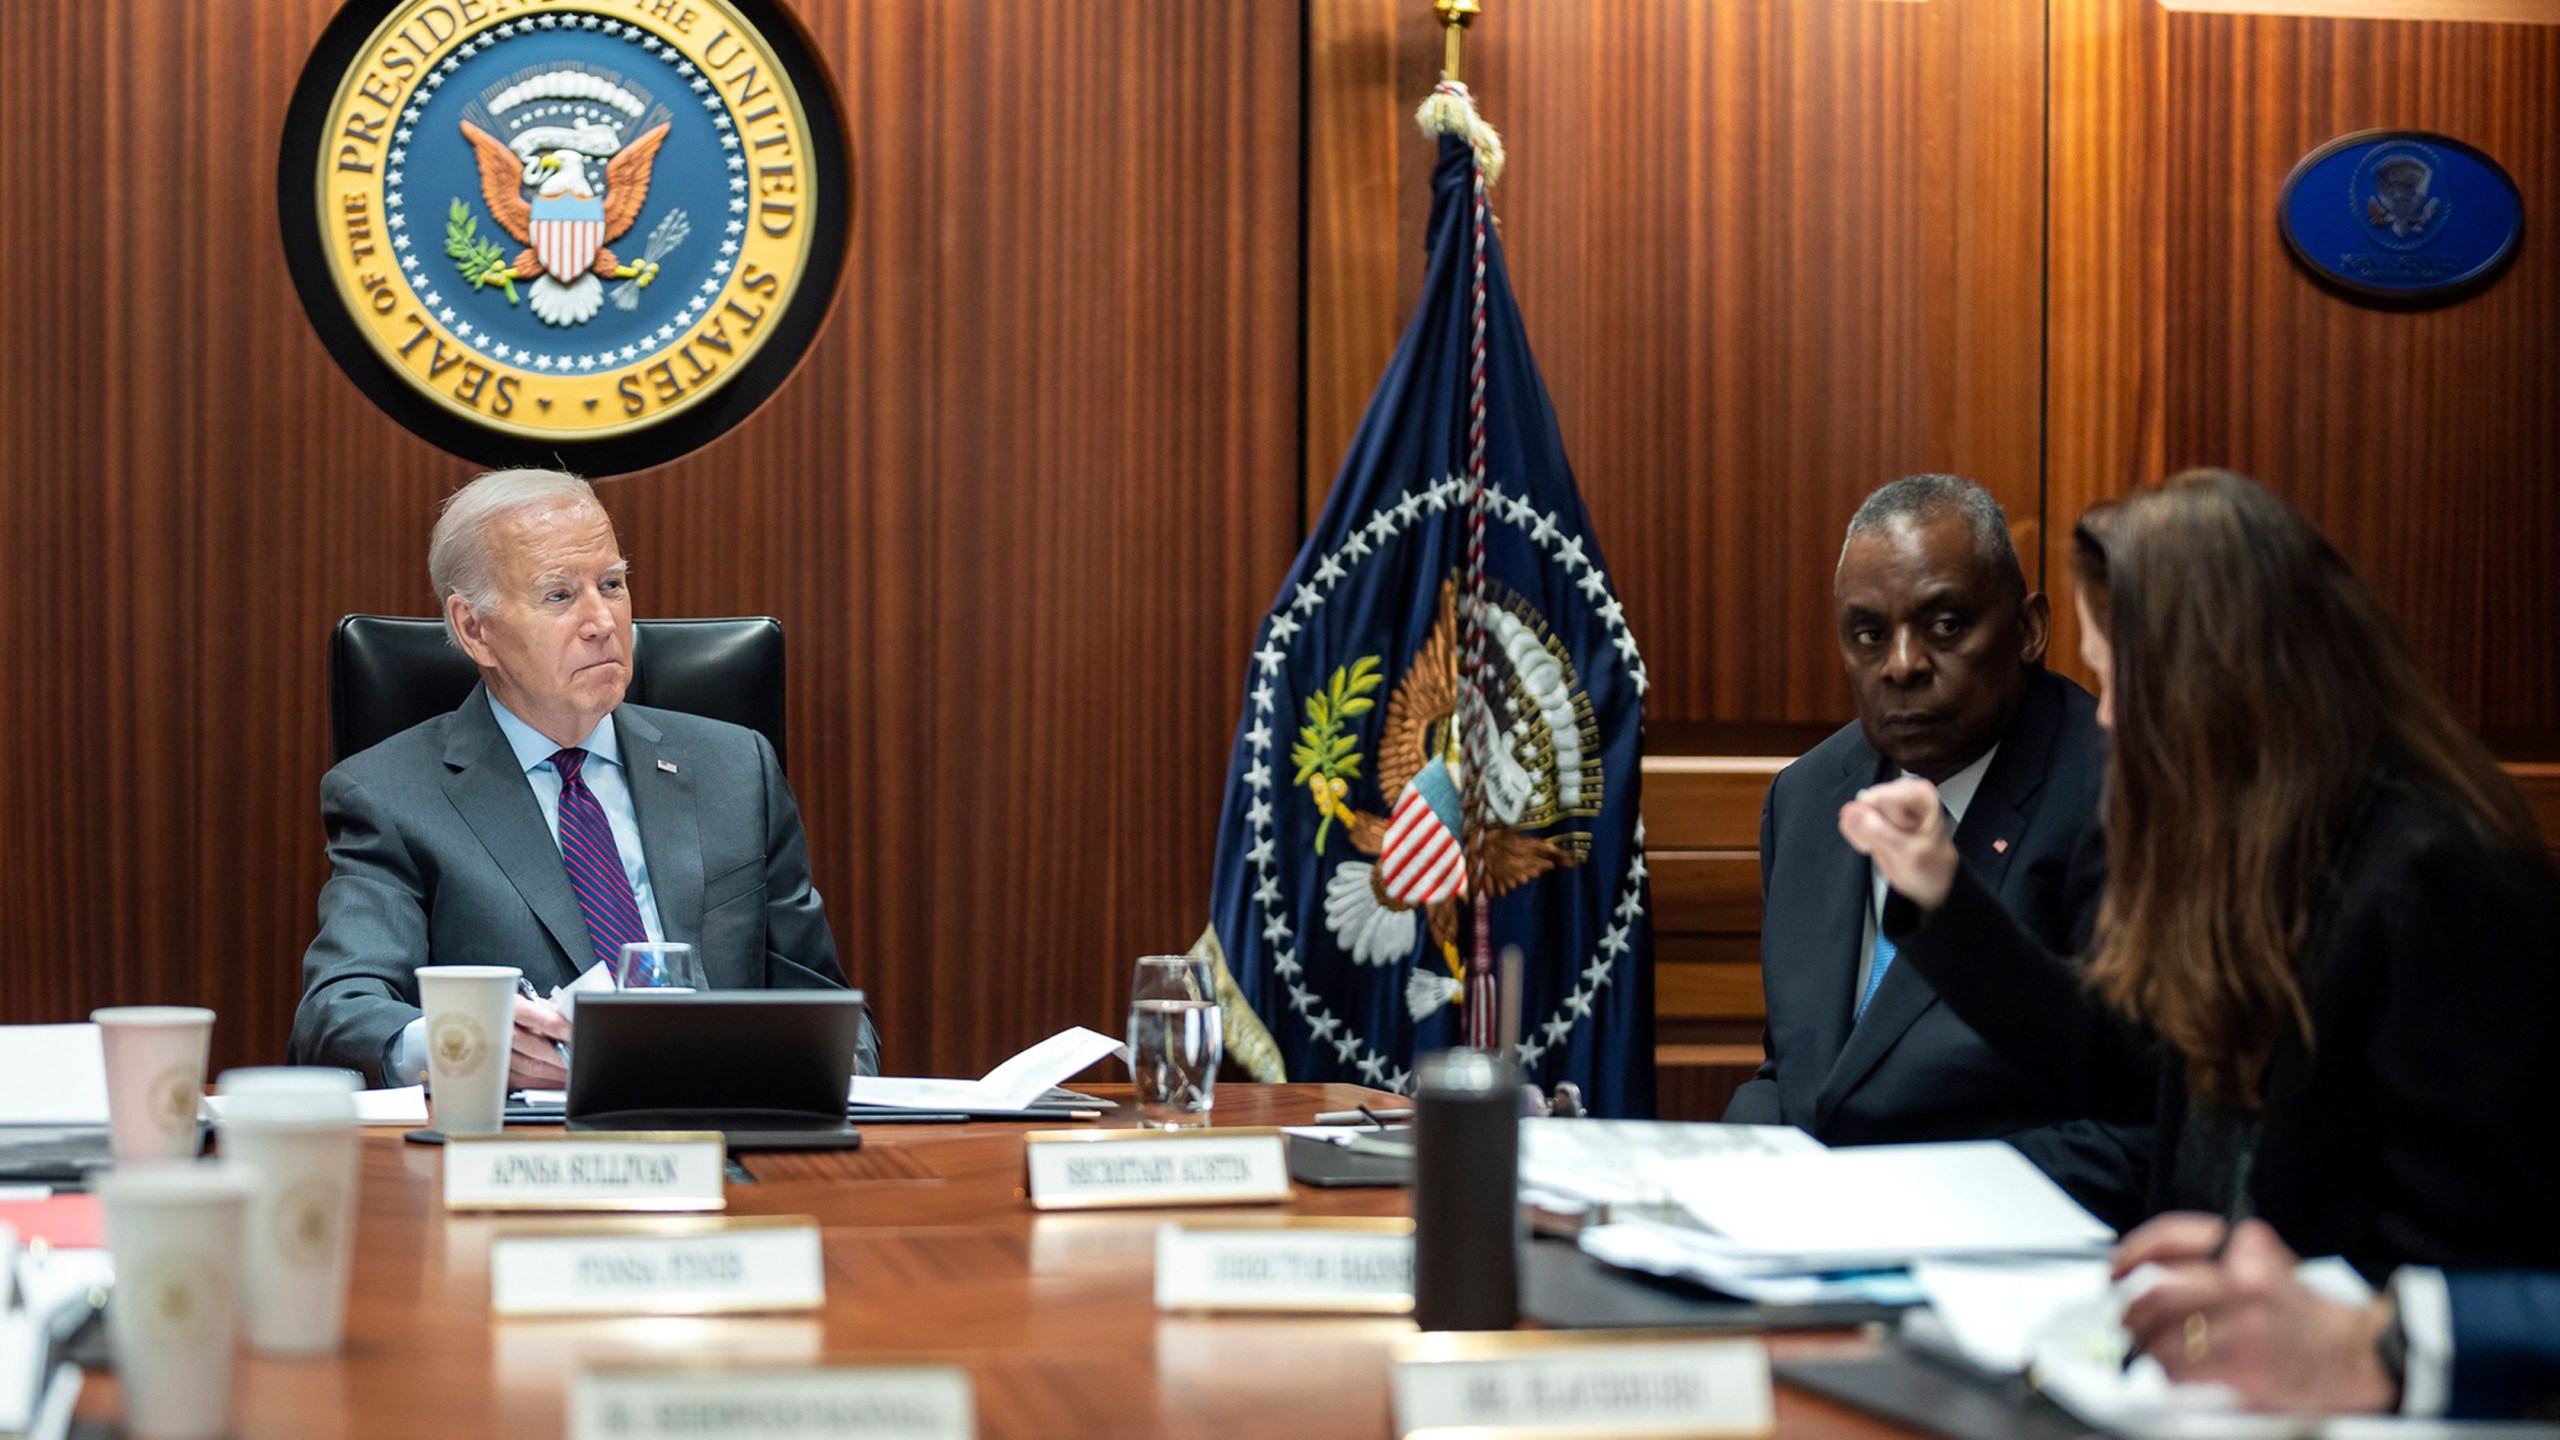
1911 1070
2506 1345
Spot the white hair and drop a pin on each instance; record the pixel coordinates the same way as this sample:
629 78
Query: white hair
458 558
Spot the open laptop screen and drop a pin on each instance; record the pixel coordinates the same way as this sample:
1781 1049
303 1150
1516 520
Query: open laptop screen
742 1054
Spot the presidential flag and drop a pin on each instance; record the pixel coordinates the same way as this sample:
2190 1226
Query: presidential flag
1364 824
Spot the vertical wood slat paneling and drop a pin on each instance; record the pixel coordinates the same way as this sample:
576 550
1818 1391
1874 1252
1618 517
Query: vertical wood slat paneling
2423 442
1771 255
1018 509
1023 501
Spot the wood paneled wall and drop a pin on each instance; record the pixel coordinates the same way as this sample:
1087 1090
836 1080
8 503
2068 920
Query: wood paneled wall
1122 274
2425 443
1771 253
1018 511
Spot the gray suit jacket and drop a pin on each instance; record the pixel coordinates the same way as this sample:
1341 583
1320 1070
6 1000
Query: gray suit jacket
439 854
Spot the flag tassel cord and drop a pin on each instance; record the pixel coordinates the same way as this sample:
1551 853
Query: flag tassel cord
1451 111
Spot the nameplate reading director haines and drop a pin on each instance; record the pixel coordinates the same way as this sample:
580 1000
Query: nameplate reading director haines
660 1267
1316 1266
1082 1171
668 1172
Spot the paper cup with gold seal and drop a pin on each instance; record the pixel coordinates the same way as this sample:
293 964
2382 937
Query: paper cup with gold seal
470 1013
155 1078
174 1230
600 230
293 1130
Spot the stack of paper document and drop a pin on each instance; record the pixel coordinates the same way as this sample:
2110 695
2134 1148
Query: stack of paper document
1684 1252
1885 1204
1606 1165
1788 1224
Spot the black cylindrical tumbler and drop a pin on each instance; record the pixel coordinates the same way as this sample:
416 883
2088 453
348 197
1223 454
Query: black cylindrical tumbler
1466 1192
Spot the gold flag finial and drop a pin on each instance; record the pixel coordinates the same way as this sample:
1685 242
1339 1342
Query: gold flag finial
1455 14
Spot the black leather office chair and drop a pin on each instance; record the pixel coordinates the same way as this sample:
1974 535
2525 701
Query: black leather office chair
389 672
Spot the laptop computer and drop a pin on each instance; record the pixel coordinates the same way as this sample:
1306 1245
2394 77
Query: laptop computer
766 1068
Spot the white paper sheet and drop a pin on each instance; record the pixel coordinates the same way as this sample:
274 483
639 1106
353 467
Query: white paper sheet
1010 1086
1991 1311
565 997
406 1105
1621 1162
1885 1204
2064 1318
52 1075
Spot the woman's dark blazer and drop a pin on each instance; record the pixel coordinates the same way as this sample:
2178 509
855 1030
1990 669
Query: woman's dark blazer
2420 1123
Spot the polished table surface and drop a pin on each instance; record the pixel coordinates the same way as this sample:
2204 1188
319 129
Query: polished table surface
933 1255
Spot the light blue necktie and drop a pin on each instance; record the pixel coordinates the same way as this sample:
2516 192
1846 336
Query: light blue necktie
1875 975
1885 947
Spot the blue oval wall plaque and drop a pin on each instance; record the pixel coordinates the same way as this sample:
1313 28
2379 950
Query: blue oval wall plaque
2402 214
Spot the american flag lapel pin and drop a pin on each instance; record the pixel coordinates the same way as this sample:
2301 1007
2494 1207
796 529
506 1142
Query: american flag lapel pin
1998 847
670 767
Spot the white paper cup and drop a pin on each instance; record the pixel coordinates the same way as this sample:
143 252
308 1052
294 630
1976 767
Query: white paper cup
294 1130
471 1021
155 1078
174 1230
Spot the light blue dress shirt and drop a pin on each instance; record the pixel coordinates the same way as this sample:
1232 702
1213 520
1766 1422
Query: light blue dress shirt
605 776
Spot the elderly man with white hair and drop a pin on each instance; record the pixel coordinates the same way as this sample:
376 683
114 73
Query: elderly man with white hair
545 823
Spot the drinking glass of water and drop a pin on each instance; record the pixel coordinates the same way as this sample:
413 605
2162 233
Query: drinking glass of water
1174 1043
663 967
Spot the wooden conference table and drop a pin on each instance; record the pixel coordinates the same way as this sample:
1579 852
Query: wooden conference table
933 1256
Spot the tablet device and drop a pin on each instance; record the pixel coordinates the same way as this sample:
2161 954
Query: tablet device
769 1069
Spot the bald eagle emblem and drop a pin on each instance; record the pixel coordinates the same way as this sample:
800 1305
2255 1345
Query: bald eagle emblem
1541 787
565 185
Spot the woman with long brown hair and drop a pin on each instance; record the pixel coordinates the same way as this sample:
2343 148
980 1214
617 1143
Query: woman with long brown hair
2328 957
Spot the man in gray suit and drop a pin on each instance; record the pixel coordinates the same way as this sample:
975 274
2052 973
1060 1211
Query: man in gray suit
544 824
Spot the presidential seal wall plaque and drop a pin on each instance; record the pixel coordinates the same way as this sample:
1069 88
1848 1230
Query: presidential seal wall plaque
2401 215
593 232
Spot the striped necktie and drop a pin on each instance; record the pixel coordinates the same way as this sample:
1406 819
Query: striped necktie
594 862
